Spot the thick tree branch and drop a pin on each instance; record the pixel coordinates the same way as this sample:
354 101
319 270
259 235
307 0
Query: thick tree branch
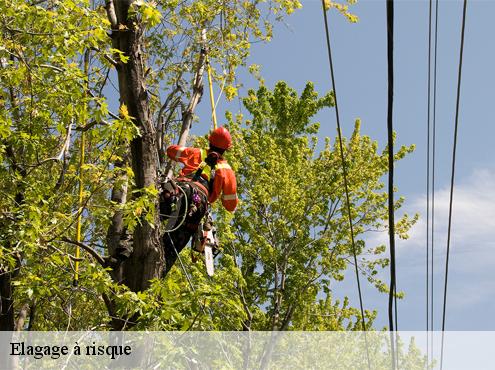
112 16
288 317
116 228
188 114
146 261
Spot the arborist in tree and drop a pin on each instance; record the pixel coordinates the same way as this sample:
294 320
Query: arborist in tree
205 177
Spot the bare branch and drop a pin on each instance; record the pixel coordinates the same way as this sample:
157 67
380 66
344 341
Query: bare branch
187 116
31 33
88 249
163 123
112 16
63 151
107 57
74 258
55 68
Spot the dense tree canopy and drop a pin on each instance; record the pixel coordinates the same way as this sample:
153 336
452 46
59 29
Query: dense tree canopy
291 235
122 79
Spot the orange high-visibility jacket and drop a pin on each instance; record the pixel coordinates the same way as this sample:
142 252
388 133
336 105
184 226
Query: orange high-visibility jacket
224 180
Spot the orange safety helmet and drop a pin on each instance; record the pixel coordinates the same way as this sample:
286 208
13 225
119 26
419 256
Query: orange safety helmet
220 138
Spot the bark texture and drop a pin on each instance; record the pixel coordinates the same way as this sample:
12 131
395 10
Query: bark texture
147 260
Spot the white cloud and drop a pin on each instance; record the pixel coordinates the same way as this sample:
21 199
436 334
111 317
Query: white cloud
471 289
473 216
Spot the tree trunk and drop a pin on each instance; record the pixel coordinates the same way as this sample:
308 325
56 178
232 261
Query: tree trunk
7 309
147 260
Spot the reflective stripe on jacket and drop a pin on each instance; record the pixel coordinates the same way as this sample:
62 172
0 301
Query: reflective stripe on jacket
224 181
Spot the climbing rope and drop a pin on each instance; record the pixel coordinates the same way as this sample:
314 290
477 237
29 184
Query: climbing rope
344 170
459 77
183 217
193 288
188 277
210 85
80 209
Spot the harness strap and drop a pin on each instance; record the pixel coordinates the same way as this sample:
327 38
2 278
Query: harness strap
199 184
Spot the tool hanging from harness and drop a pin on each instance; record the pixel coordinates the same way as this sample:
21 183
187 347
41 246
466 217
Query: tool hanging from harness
205 241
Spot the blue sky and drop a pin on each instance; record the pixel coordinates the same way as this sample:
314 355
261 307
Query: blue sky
297 54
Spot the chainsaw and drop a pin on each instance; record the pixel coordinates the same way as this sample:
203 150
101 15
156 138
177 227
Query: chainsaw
205 241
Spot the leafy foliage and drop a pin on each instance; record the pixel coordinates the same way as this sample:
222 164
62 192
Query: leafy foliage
283 249
290 235
58 81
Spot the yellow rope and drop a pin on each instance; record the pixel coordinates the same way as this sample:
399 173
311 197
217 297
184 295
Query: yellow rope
80 209
212 99
81 183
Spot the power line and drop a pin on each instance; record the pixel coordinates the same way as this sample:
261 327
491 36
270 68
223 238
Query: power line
344 169
431 158
459 76
391 219
428 185
433 170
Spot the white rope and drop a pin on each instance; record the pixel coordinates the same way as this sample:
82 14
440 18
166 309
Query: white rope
185 213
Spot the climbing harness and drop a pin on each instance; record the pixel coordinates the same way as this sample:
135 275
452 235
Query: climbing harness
204 239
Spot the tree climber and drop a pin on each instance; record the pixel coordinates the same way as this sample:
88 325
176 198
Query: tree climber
205 176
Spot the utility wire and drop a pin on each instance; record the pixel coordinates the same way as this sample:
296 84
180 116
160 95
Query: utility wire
459 76
428 188
391 219
344 170
433 172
